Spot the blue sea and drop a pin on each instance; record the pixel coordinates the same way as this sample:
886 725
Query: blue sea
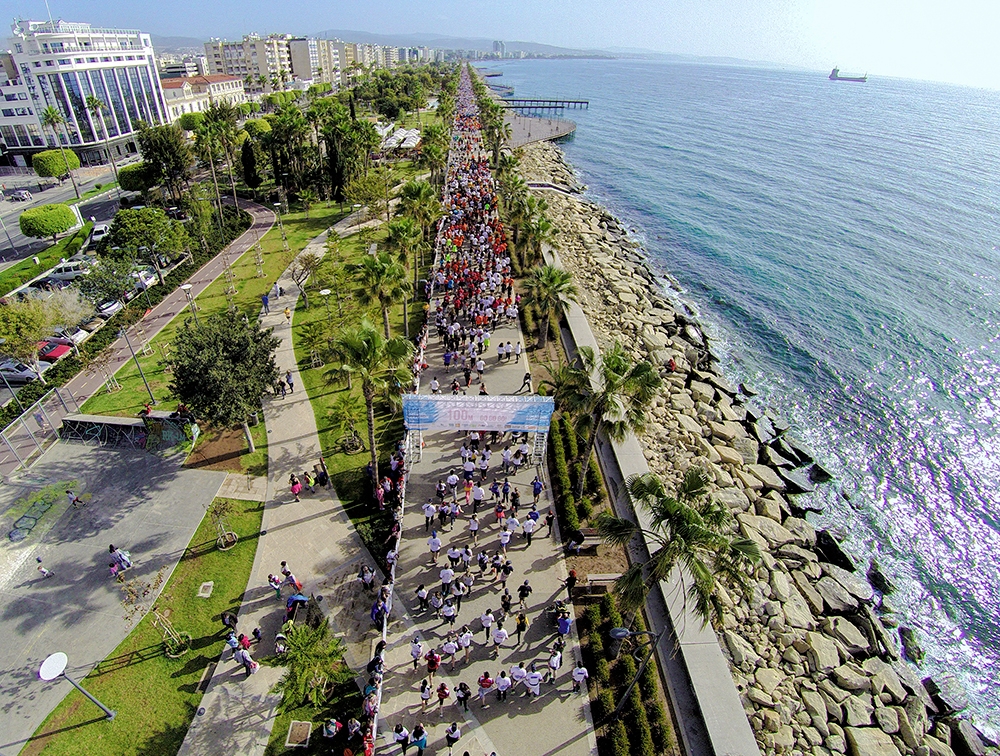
841 244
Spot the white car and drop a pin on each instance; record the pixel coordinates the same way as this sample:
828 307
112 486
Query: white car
144 278
70 337
70 270
17 372
107 309
99 231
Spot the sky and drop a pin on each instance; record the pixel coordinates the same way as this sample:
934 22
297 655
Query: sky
938 40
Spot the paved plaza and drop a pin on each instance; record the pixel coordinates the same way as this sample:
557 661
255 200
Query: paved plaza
142 502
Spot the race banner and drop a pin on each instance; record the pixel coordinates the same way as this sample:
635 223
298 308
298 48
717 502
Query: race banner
520 414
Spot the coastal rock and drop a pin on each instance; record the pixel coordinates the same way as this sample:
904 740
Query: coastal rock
937 748
809 593
723 431
689 424
728 454
869 741
797 612
740 651
836 596
887 719
692 334
734 499
748 449
722 384
858 710
851 582
796 481
829 550
906 732
965 740
768 679
767 476
763 429
775 534
775 459
849 678
843 630
947 693
702 392
884 678
804 532
767 507
801 451
749 481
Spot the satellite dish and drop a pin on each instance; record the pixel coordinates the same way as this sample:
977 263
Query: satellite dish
53 666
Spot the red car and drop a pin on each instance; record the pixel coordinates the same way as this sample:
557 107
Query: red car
51 352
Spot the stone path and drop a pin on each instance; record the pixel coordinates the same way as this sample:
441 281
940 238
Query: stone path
559 720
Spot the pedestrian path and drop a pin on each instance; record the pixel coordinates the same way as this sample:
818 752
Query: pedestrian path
559 720
322 548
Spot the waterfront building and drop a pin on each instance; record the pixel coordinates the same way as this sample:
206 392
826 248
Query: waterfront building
263 63
60 64
194 94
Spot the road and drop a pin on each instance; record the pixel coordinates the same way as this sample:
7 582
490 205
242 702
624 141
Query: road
102 209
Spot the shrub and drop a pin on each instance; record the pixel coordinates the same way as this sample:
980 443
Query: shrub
137 177
659 727
624 670
191 121
584 508
46 220
635 714
565 502
54 162
527 321
572 443
595 484
619 739
602 671
604 705
609 610
592 619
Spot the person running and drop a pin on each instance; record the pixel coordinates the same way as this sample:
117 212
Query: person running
465 641
422 595
523 591
580 675
452 735
416 650
486 618
462 695
553 665
75 501
433 659
533 681
521 626
418 738
402 736
503 684
425 693
528 527
485 684
449 649
474 528
499 638
434 544
443 694
430 510
536 489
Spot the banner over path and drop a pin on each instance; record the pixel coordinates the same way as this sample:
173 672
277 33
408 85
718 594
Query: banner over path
519 414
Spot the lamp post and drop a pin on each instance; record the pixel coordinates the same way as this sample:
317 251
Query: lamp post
124 334
619 634
55 666
277 212
9 240
357 214
326 293
186 288
13 394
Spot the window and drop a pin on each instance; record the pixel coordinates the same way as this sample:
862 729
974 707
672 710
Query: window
106 60
64 61
8 113
9 97
22 96
78 60
22 111
19 47
118 57
50 62
37 64
91 60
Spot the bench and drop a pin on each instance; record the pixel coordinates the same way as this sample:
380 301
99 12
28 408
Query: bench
597 584
591 542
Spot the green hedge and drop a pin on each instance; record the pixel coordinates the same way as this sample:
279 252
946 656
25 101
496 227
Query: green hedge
635 714
565 502
609 610
619 739
604 705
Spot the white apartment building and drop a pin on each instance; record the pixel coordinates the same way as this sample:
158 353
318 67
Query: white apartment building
259 62
61 64
194 94
172 67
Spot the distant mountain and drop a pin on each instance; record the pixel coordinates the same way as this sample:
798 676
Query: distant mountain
451 43
176 44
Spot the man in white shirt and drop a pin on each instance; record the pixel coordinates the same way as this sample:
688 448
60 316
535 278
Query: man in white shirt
430 511
447 576
487 619
434 544
528 527
452 481
435 386
499 636
474 529
470 468
518 673
478 494
465 641
533 681
580 675
555 661
480 368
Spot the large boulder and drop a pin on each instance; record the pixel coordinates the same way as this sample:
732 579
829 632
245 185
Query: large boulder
870 741
849 678
728 454
858 710
822 652
797 612
796 481
837 599
768 679
767 476
775 534
854 584
884 678
847 633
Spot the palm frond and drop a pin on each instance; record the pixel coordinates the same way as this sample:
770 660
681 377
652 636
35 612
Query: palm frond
615 530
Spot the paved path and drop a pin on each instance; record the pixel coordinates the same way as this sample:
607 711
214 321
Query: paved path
86 384
142 502
316 538
558 721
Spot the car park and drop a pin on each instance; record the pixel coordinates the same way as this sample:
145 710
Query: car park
21 195
17 372
49 351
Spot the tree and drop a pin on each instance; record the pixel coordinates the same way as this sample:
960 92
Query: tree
405 238
136 178
222 117
313 665
168 155
382 282
144 233
551 289
308 198
380 363
191 121
370 190
610 394
46 220
52 118
302 267
54 163
25 322
419 200
688 529
97 108
248 159
111 279
221 369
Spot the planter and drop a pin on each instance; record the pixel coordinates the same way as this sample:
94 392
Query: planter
226 541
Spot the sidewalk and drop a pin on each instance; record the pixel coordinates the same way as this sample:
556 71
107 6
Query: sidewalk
558 721
315 537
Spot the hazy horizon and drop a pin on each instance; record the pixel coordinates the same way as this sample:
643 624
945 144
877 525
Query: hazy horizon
920 39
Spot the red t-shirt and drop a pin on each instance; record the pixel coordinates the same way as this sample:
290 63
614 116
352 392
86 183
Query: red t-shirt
486 682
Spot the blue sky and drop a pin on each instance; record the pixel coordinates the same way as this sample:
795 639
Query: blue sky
944 41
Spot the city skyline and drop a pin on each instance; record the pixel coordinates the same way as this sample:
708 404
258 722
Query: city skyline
917 40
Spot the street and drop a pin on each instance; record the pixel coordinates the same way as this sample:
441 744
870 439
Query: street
103 208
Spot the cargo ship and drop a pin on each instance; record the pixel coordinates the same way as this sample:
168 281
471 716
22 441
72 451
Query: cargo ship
835 76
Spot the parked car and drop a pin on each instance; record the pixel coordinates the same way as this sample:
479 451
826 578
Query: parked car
70 337
50 284
50 351
21 195
99 231
176 213
92 325
70 270
107 309
144 278
18 372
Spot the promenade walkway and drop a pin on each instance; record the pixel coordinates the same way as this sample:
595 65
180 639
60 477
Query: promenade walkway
529 129
316 538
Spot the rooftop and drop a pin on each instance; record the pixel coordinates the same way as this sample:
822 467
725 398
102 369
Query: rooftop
194 81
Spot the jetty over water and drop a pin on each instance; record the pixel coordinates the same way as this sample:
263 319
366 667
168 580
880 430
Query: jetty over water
532 104
525 129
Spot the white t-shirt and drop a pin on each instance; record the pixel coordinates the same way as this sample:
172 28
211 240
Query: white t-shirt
517 674
429 510
504 683
473 524
416 650
533 680
528 526
504 537
478 494
450 647
499 636
465 640
469 466
447 575
434 543
555 661
486 619
580 674
452 480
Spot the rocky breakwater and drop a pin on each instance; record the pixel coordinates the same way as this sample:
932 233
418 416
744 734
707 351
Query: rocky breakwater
812 654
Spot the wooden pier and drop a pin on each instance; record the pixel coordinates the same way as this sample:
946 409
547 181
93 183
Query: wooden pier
530 104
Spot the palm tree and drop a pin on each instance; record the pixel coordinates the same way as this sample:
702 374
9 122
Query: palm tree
434 158
610 394
52 118
405 238
97 108
206 147
551 289
222 118
419 200
313 665
308 198
380 363
382 281
688 529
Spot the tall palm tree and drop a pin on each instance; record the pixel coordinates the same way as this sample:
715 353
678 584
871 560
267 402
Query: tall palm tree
609 394
222 118
52 118
381 364
404 237
688 529
382 281
419 200
551 289
206 146
97 109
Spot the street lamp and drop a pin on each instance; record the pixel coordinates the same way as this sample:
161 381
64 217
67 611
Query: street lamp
357 214
186 288
55 666
124 334
620 634
9 240
326 293
2 375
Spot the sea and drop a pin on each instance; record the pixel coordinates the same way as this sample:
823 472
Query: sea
840 243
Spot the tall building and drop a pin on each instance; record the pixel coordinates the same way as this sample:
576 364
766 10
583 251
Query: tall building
303 52
500 49
60 64
264 63
329 62
172 67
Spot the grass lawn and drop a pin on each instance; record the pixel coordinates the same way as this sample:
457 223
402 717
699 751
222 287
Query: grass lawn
155 697
346 470
130 399
26 269
93 192
344 702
